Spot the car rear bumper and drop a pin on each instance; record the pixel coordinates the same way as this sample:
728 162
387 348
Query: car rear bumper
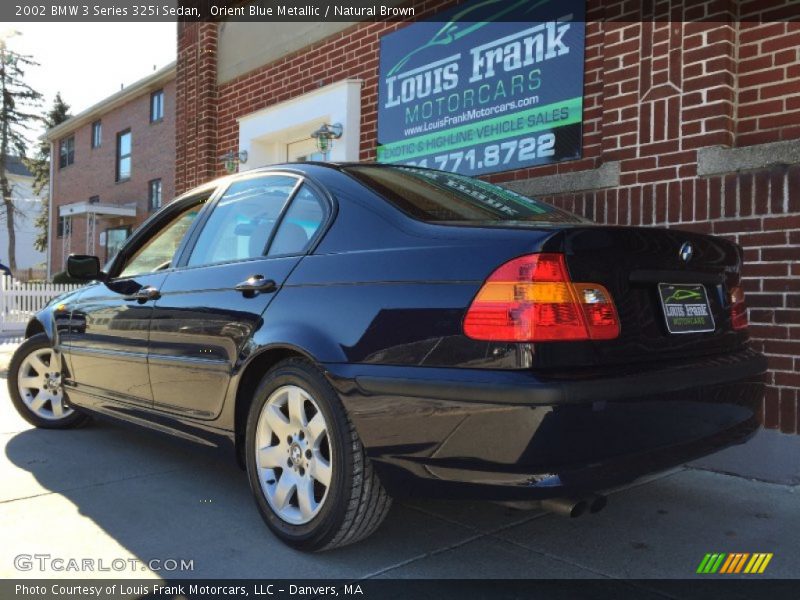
513 435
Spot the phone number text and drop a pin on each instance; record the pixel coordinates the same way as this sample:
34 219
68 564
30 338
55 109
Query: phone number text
493 155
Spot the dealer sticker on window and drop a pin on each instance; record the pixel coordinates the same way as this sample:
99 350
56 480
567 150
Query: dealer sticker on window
686 308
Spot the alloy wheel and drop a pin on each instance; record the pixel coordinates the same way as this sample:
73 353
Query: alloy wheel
293 454
40 384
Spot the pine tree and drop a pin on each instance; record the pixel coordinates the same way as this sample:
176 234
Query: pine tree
40 168
18 98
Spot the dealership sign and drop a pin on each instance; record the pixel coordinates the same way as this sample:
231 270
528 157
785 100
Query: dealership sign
493 85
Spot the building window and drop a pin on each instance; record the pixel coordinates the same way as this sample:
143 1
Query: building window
66 152
156 106
154 195
94 199
97 134
124 155
62 227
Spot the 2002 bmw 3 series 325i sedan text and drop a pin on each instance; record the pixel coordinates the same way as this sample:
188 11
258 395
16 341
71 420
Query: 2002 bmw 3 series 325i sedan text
357 332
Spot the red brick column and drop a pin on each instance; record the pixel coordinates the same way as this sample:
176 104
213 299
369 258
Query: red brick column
196 105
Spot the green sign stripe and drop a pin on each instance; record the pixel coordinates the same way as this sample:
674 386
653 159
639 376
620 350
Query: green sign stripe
574 105
710 563
703 563
718 564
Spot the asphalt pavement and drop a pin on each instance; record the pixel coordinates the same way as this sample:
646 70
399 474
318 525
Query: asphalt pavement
109 493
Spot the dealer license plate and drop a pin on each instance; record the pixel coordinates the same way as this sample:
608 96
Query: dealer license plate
686 308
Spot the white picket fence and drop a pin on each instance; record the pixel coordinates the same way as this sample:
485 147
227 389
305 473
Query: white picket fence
19 301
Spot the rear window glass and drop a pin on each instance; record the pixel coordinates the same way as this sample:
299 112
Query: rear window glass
442 197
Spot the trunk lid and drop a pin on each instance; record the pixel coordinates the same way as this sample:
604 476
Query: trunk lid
631 262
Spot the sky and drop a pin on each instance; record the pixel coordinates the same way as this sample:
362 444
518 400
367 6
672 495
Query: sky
87 62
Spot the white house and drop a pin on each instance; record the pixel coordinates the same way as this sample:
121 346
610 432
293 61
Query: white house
28 207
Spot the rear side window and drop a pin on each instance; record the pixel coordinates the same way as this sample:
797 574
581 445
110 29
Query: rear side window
437 196
300 223
242 221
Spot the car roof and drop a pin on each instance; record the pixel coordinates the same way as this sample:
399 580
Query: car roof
287 166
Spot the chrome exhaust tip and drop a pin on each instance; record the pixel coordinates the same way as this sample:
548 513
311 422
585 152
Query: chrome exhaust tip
571 508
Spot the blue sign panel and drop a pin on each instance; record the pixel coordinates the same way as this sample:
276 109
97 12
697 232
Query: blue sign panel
493 85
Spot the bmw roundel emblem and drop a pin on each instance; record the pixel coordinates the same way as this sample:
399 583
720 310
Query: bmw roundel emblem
686 252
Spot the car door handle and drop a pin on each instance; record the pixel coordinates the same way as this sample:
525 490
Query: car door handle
255 284
145 294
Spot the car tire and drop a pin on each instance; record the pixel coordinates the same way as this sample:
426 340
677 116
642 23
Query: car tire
288 462
36 388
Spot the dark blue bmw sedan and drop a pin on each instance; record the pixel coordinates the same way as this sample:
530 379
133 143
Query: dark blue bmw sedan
357 332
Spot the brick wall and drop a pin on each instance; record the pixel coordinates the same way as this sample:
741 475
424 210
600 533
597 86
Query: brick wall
94 171
663 83
733 84
768 95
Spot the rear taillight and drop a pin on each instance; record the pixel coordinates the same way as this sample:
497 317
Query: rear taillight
738 308
531 299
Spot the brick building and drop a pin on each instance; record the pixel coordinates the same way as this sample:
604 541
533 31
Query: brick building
691 119
111 166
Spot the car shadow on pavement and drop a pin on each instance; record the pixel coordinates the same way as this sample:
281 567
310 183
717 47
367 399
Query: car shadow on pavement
109 492
106 491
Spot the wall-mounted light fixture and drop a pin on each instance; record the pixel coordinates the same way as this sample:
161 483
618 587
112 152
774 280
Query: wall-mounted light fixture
232 160
325 136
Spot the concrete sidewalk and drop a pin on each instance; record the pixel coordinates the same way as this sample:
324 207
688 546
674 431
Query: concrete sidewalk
8 344
107 492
